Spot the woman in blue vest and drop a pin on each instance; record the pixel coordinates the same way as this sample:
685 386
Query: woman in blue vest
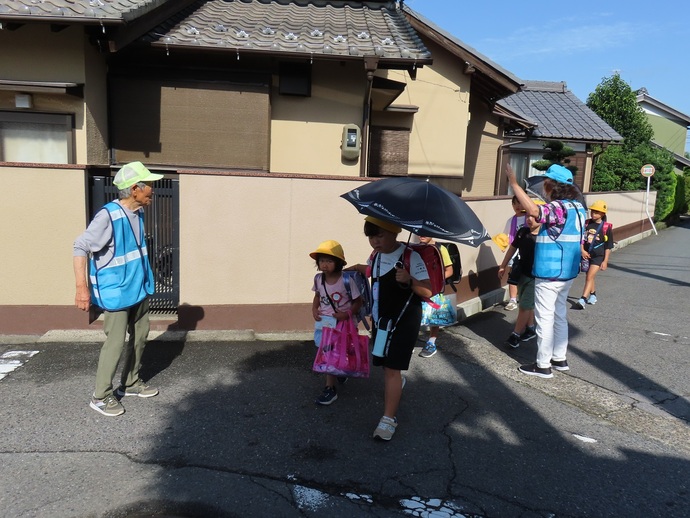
119 282
556 264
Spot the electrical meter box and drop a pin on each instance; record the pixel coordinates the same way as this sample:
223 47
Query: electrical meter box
351 143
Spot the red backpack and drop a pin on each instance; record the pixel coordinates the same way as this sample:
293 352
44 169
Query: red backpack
433 262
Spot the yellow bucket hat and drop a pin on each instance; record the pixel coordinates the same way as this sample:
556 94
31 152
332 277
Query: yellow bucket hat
599 206
501 240
331 248
385 225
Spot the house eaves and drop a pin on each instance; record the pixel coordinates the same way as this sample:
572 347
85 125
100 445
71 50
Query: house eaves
558 114
491 80
317 29
113 23
679 160
74 12
643 98
515 123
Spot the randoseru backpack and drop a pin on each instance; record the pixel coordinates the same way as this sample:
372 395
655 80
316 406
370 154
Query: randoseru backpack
433 262
362 283
454 255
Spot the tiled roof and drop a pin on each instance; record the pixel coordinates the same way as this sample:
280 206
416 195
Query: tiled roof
75 11
316 27
558 114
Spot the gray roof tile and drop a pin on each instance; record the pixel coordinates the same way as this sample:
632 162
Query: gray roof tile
317 27
82 11
558 114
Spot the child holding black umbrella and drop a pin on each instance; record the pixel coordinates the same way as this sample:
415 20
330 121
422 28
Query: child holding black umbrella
396 312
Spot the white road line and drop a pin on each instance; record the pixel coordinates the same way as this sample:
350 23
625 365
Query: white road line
12 360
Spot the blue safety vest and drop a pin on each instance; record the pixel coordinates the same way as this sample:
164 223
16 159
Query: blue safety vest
558 258
127 278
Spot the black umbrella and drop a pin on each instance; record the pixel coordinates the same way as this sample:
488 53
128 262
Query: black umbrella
420 207
535 185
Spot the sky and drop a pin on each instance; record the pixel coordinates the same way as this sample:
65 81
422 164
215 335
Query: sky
580 43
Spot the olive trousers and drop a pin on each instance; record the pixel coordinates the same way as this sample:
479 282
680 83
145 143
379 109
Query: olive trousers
135 321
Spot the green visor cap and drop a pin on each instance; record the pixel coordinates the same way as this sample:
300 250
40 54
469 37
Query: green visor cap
132 173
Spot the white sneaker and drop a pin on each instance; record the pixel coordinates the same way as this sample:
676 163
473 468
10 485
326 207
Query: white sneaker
512 305
386 428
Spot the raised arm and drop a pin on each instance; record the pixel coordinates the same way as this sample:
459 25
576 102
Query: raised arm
530 207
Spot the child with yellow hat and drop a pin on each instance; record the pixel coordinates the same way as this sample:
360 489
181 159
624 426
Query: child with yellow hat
332 303
396 313
596 248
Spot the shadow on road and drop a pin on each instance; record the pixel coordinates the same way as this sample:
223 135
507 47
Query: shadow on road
483 445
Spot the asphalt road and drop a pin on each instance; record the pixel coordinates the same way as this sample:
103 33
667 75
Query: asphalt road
235 432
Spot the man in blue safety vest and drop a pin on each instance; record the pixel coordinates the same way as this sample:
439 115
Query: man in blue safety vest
119 281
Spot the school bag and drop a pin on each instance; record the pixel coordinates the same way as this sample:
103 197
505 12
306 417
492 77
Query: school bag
434 266
454 255
604 229
362 283
433 262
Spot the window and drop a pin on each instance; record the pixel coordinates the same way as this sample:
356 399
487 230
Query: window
522 165
389 151
37 138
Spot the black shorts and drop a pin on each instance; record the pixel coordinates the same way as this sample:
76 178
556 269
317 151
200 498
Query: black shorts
596 260
403 341
515 273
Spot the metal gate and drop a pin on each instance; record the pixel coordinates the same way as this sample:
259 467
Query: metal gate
161 234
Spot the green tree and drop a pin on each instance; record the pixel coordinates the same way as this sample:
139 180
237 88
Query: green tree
557 153
618 167
664 179
615 102
614 167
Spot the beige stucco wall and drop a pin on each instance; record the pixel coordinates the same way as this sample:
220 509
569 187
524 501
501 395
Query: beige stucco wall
481 161
38 54
248 239
439 132
42 211
35 53
306 132
245 240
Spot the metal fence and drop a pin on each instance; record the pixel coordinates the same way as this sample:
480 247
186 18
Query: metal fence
161 234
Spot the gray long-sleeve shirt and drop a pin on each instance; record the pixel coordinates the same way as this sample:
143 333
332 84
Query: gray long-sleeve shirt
97 239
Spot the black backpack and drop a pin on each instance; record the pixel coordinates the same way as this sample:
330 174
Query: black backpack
454 254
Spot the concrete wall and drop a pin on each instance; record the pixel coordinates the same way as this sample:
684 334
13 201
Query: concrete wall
244 245
42 211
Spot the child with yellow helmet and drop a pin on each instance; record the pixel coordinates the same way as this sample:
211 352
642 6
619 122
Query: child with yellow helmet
333 301
596 248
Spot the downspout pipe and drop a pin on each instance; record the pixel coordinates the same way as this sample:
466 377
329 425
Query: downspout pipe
371 64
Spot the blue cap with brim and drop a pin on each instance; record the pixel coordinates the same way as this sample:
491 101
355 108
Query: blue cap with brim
560 174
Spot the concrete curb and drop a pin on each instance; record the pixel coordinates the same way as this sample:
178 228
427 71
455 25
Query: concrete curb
97 336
